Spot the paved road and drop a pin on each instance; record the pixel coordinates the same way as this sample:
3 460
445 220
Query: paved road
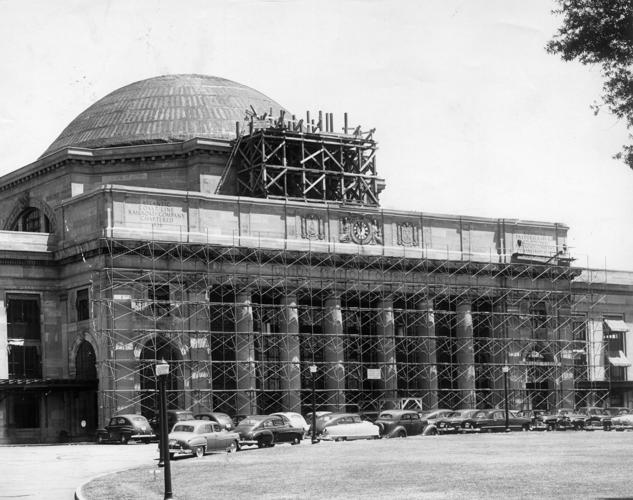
54 472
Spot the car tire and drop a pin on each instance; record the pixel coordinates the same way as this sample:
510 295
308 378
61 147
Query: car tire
145 440
171 456
199 451
401 434
124 439
296 439
233 447
100 439
526 427
261 443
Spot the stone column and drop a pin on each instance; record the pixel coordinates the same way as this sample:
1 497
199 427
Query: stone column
334 354
426 354
4 353
4 366
517 337
246 403
200 349
465 356
387 349
566 356
290 354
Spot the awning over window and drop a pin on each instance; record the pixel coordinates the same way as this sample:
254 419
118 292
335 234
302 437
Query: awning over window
620 360
616 325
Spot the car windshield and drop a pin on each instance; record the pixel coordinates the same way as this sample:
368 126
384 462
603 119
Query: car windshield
464 413
139 419
183 428
248 421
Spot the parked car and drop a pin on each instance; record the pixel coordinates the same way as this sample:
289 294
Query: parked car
173 416
223 419
622 422
322 420
267 430
595 418
295 419
542 420
348 426
453 422
615 411
123 428
400 423
430 418
495 421
196 437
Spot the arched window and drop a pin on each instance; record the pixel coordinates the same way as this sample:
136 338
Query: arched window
32 220
85 362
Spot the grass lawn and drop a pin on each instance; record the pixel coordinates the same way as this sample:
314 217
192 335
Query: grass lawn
516 465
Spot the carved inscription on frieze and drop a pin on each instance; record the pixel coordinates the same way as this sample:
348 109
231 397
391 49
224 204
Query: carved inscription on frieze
155 212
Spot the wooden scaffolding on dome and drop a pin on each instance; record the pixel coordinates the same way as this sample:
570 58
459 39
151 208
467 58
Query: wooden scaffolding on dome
304 160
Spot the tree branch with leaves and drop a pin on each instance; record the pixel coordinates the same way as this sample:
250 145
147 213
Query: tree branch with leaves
600 33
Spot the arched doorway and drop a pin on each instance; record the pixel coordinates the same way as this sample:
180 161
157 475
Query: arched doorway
86 401
540 382
155 350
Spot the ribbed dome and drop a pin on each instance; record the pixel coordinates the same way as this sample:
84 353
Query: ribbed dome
170 108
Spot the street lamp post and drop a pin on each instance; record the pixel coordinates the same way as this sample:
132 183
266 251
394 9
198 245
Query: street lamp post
313 370
162 369
506 369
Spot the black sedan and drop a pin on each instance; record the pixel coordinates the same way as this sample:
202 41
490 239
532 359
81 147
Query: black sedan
267 430
454 421
400 423
222 419
495 421
123 428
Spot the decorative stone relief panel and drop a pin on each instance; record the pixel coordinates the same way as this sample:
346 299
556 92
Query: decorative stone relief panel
312 227
407 235
360 230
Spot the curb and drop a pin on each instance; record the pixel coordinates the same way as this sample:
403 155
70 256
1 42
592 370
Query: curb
79 495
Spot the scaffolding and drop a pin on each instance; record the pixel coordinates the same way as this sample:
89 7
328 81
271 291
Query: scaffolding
292 160
240 327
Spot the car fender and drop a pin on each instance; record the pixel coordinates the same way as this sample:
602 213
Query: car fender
430 430
196 441
264 433
394 432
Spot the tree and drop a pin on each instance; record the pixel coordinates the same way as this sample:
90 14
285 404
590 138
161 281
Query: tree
600 32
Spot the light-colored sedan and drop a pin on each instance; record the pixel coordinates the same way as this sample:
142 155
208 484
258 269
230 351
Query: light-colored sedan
622 422
295 419
348 426
196 437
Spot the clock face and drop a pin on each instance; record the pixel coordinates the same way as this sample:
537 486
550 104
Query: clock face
360 231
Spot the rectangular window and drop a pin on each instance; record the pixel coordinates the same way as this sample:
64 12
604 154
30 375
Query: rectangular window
83 305
26 411
24 361
23 317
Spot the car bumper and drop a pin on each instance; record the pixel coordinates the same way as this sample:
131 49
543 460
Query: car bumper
179 450
622 427
143 436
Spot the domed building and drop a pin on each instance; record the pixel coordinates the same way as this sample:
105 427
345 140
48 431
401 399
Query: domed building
192 219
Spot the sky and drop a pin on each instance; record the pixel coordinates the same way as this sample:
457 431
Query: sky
472 116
